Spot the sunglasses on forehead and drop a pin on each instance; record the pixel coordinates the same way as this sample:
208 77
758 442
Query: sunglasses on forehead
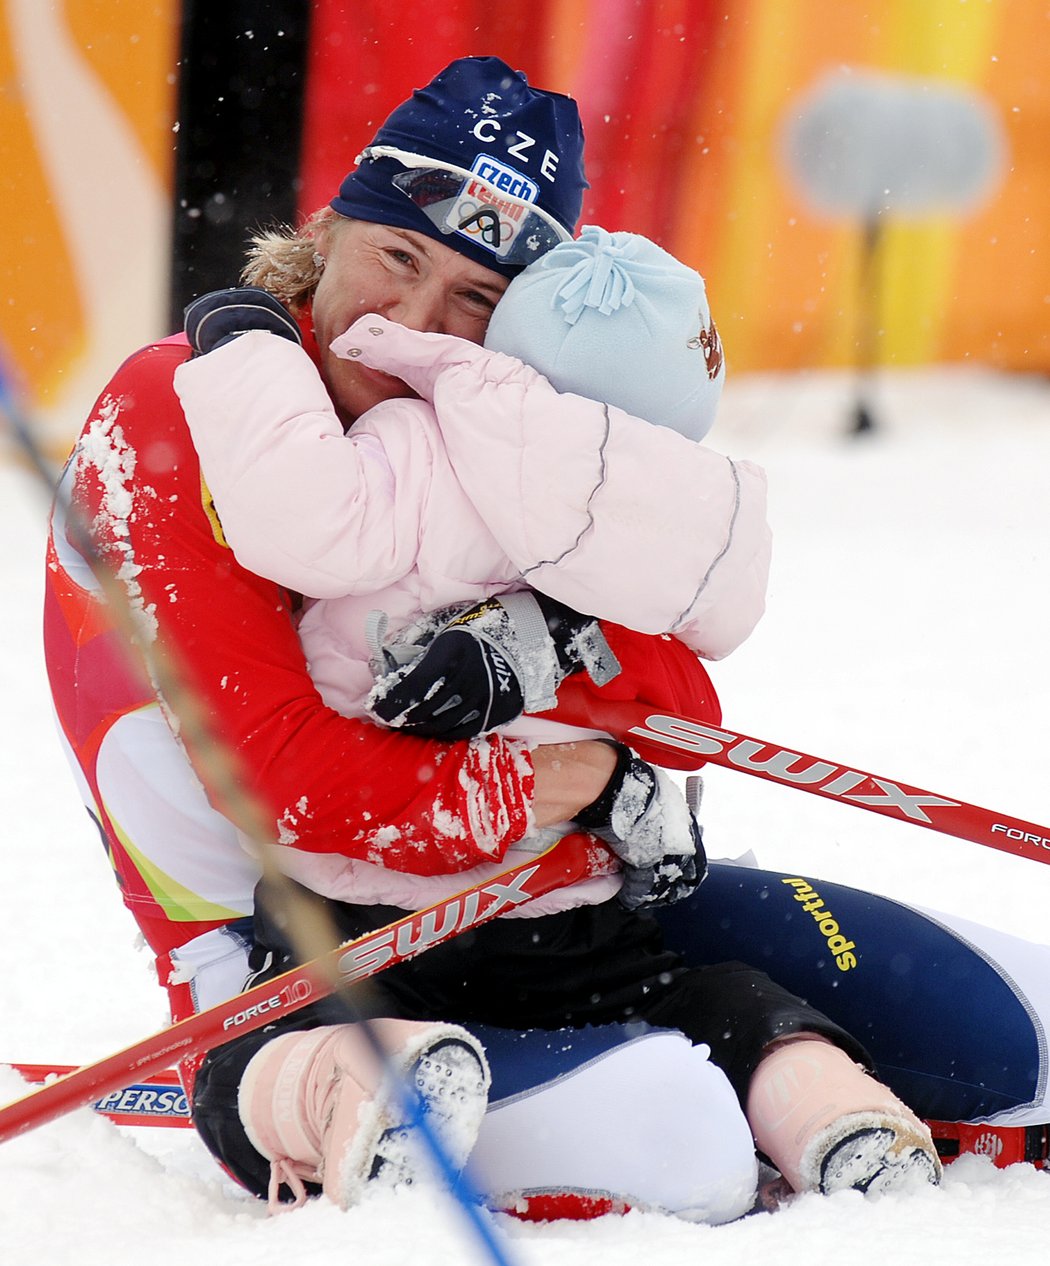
489 212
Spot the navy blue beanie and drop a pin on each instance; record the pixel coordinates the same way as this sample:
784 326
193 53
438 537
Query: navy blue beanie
476 107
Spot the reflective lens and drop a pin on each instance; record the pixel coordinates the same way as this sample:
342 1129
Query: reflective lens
492 215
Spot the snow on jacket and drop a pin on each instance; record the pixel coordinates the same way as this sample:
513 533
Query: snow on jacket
326 782
502 482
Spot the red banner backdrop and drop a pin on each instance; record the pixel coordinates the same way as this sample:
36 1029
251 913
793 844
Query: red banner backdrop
634 68
683 102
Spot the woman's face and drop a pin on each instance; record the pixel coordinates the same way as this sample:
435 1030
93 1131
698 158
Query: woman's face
406 277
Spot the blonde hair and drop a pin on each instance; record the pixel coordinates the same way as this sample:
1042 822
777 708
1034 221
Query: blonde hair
285 261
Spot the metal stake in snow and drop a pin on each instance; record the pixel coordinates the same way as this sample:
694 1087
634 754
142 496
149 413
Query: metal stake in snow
872 147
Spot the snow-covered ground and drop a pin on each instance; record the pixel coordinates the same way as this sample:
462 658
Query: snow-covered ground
906 634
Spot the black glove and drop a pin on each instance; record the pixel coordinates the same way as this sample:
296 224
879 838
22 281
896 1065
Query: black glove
221 315
672 879
461 686
487 664
645 820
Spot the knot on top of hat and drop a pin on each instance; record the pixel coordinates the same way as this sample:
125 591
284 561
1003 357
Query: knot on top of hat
598 274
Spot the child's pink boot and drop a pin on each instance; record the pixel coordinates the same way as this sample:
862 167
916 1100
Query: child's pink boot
319 1106
828 1126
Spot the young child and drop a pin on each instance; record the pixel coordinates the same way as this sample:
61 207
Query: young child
504 477
498 480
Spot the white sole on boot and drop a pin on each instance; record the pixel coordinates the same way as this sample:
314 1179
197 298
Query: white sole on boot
452 1085
874 1153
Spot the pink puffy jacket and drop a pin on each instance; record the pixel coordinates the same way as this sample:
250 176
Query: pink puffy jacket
490 482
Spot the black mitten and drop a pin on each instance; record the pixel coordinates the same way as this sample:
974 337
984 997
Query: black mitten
461 686
671 879
217 317
487 664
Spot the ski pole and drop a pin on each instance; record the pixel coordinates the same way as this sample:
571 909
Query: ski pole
563 863
682 742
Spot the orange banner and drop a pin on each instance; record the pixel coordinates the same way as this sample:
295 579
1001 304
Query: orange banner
685 103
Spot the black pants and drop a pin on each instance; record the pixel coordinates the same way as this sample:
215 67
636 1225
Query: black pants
590 966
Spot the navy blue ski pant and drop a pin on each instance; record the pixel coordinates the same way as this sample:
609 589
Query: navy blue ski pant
593 966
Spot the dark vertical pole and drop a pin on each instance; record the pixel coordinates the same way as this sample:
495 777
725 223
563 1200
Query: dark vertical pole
242 72
868 339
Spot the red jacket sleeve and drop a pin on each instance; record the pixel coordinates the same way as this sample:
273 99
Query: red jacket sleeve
327 783
658 674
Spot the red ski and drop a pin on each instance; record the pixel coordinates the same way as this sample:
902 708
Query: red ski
158 1100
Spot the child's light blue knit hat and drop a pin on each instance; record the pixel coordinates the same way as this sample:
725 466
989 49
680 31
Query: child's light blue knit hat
613 317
